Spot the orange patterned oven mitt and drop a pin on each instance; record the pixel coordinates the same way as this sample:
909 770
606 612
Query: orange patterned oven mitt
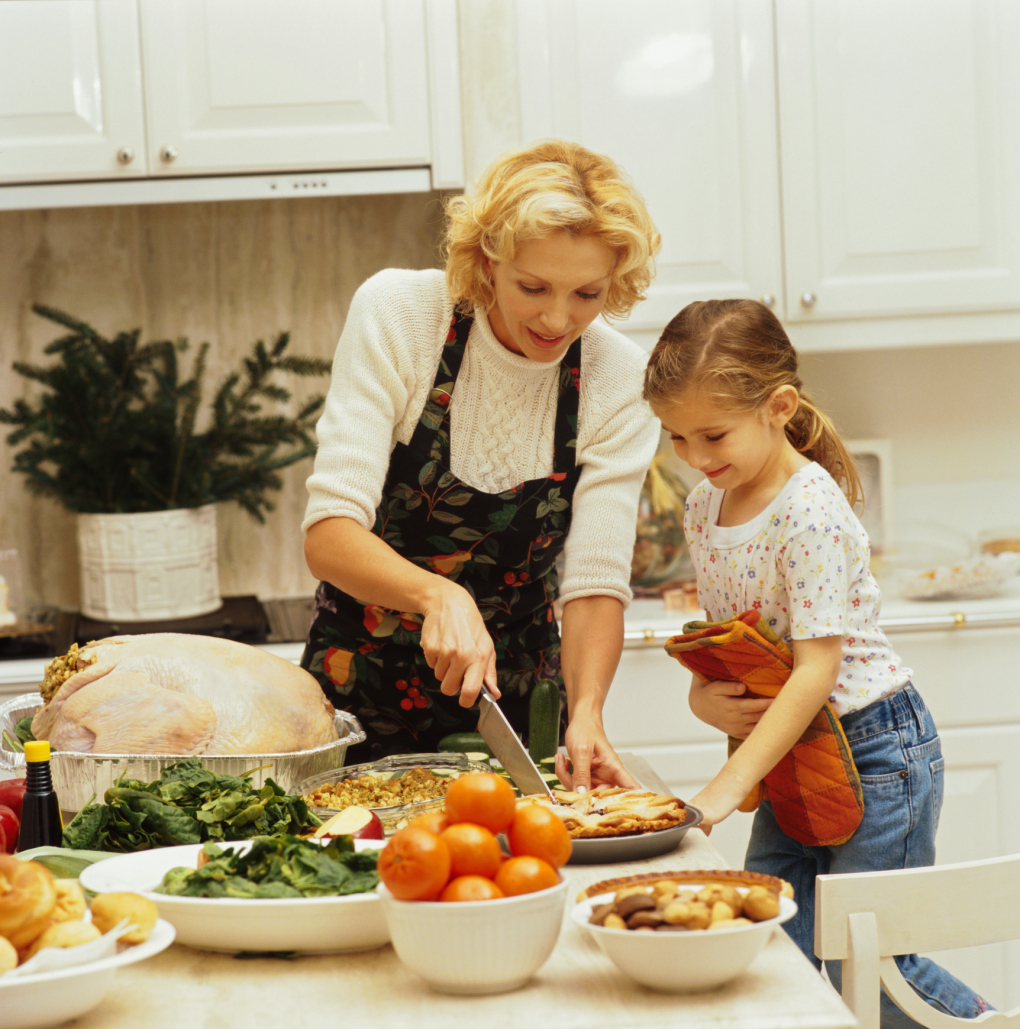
814 789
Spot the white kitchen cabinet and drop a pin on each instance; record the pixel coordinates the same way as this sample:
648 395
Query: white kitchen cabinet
683 97
969 681
880 207
70 90
99 89
900 166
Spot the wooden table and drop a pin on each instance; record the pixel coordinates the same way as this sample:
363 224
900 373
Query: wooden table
578 988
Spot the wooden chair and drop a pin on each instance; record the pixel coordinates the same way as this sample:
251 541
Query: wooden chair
863 919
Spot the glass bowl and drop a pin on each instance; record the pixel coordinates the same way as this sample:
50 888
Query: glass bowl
396 816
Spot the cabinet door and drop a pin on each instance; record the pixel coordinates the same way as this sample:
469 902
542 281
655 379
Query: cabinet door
900 159
70 90
682 97
252 85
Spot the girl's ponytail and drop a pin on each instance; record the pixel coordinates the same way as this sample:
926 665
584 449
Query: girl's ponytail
812 434
737 352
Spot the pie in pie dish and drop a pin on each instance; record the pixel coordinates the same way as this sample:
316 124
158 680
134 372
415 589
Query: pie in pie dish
613 811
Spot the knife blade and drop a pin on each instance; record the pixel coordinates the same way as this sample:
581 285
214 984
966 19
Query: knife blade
508 749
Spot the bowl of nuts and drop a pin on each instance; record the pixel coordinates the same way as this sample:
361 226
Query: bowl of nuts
683 932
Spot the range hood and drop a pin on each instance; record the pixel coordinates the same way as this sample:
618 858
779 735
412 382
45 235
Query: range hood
198 189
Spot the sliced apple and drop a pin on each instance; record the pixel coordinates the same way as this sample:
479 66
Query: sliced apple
361 823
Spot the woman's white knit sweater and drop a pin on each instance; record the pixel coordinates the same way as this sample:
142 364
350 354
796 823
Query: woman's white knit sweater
502 421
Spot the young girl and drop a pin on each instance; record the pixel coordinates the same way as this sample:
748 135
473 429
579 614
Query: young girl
771 527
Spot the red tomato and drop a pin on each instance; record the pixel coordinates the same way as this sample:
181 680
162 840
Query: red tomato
10 824
12 793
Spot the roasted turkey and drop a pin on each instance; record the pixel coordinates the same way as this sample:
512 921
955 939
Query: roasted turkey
171 693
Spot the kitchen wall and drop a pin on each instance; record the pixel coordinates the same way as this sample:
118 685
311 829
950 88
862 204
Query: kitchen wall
229 273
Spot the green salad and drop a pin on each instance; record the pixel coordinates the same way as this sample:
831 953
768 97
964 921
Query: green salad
277 866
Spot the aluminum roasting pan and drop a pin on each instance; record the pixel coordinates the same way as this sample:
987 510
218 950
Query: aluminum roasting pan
77 778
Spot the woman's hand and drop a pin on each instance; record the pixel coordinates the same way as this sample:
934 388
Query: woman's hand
593 762
457 646
724 705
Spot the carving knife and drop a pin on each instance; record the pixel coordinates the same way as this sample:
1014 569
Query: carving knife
507 747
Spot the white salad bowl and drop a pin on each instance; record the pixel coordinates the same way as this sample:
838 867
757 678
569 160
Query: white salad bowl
476 946
308 925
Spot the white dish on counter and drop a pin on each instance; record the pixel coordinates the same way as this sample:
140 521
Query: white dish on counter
50 998
309 925
984 576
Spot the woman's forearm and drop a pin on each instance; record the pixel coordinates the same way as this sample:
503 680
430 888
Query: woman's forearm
454 639
591 641
344 553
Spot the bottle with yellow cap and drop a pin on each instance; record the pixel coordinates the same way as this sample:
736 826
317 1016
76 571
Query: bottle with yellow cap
41 825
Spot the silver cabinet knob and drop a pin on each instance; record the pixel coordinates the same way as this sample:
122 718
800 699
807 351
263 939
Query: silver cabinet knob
168 154
126 154
808 300
768 299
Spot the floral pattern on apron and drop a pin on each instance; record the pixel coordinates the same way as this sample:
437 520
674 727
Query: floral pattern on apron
502 548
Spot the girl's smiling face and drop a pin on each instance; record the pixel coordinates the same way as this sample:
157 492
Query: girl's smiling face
741 451
552 290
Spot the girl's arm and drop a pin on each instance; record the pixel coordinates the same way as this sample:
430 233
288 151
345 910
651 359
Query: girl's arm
590 647
457 646
815 670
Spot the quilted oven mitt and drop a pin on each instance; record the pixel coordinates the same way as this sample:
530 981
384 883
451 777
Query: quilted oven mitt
814 789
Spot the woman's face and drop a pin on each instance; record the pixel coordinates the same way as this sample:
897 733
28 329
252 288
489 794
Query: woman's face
551 291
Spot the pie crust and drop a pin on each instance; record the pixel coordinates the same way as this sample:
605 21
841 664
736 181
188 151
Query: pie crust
613 811
725 876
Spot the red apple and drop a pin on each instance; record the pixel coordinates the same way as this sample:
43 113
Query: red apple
361 823
12 793
11 824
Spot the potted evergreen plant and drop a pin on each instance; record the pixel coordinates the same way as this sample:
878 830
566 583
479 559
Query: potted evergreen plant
119 436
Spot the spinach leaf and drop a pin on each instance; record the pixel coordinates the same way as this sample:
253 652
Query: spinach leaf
277 866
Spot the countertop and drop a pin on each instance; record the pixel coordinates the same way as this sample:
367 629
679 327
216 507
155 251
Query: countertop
578 988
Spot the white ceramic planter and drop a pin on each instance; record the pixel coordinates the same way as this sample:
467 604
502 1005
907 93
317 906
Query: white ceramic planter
148 566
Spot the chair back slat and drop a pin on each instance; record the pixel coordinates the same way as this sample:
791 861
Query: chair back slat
922 909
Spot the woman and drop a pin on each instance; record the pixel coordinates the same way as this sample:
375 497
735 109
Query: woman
479 422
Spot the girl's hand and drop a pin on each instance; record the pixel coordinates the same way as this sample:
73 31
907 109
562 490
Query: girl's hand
457 645
593 762
724 705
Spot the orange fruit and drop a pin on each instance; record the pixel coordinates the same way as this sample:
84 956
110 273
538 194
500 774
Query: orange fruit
414 864
434 821
471 887
525 874
538 832
473 850
484 798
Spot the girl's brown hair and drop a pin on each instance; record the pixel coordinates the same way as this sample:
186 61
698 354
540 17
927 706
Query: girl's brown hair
534 192
737 353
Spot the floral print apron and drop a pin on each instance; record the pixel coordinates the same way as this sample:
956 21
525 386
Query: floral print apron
501 547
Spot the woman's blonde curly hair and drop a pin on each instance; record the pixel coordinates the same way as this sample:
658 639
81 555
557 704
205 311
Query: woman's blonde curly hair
531 193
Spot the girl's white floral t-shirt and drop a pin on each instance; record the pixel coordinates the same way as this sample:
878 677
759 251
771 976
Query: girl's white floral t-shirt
803 563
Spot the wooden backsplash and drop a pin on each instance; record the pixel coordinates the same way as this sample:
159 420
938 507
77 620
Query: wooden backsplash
229 273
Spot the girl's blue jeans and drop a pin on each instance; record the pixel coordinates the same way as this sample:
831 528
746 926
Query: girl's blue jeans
896 749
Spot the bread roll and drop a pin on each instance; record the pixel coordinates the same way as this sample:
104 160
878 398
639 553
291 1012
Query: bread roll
27 899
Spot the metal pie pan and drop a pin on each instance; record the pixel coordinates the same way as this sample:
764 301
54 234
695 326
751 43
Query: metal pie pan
605 850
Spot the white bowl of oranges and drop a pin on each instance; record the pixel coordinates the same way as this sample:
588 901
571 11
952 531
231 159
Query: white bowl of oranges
462 914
